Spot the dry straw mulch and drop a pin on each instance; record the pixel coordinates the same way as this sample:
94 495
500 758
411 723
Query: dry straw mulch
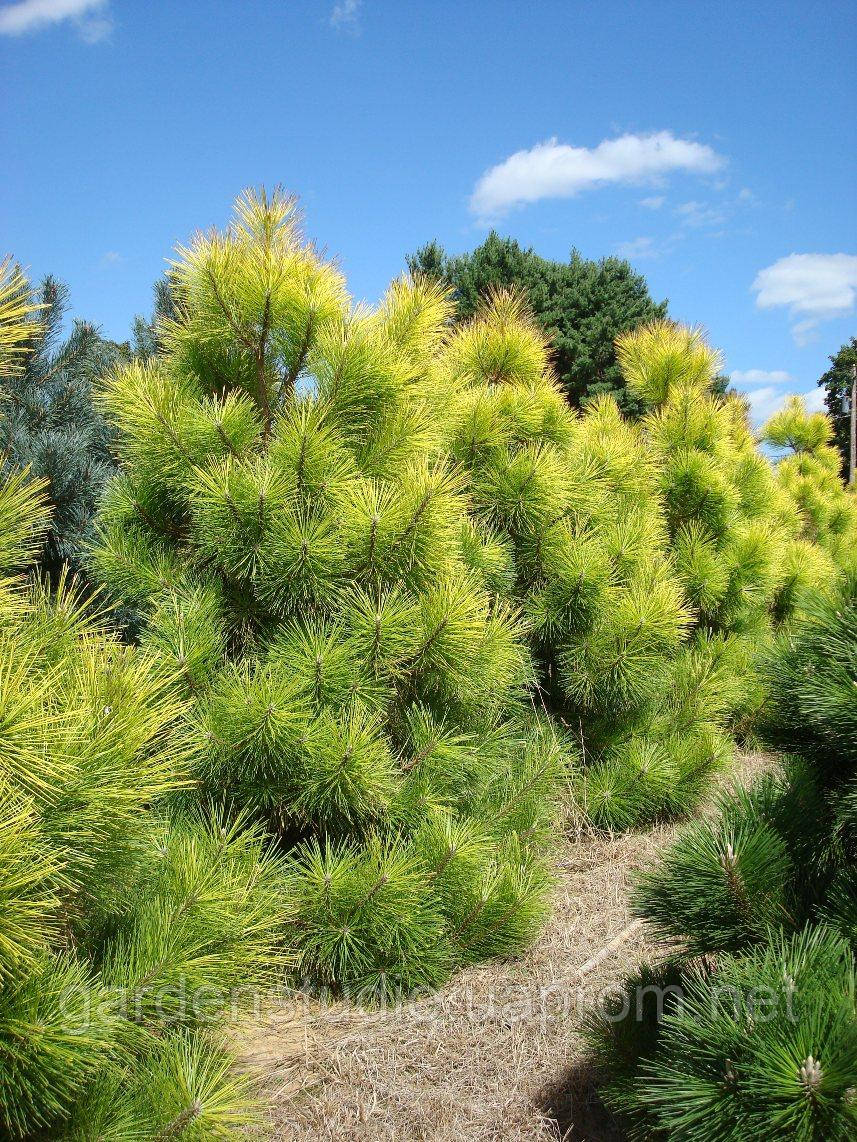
494 1055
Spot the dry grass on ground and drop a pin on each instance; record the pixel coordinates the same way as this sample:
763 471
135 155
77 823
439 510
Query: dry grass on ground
497 1053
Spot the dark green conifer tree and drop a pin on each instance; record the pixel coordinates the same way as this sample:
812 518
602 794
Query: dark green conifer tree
837 382
581 305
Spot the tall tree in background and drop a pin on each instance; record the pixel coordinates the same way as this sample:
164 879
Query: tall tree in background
837 382
582 305
48 422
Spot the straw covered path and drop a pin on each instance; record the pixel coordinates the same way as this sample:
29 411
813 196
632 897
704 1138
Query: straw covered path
496 1054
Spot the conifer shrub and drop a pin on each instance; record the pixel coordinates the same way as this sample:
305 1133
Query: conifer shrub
125 927
49 423
809 480
651 558
756 1032
373 543
299 548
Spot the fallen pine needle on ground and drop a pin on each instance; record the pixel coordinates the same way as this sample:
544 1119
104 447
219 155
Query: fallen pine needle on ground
497 1053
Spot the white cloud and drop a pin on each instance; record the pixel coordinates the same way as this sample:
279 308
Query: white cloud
767 390
759 377
91 17
111 258
805 332
95 29
764 402
768 399
557 170
700 214
814 287
637 248
814 400
655 202
345 16
746 195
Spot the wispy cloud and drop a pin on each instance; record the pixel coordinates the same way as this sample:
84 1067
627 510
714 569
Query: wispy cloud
764 402
638 248
814 288
557 170
91 17
700 215
760 377
708 219
110 259
768 399
345 16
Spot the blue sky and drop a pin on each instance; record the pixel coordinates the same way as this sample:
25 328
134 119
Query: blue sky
715 145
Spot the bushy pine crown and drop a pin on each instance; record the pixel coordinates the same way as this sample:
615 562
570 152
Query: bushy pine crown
283 476
650 558
115 916
297 539
809 482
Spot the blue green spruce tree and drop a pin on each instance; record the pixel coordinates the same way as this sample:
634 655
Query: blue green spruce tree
50 425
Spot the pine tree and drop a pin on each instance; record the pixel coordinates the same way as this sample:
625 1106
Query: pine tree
299 547
373 543
50 426
126 927
759 1034
651 557
809 477
581 305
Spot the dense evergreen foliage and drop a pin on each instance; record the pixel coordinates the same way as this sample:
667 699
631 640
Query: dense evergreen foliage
764 1040
808 476
299 548
293 467
581 305
651 557
393 596
124 928
50 426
